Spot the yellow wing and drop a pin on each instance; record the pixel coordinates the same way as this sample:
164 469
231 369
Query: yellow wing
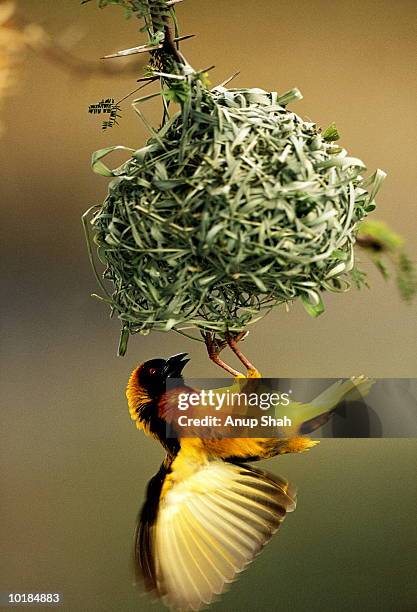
212 519
306 418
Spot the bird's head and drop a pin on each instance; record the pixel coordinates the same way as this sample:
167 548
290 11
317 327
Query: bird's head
148 381
153 374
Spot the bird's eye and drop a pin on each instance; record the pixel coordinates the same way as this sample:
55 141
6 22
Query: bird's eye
152 371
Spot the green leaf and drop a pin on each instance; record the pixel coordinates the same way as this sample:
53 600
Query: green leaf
314 310
381 265
124 339
258 282
381 233
331 133
406 278
167 184
99 167
359 278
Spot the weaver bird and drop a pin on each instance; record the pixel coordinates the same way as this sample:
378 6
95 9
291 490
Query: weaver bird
207 513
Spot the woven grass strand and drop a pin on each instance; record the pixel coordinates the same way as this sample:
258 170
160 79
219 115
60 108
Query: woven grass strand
235 206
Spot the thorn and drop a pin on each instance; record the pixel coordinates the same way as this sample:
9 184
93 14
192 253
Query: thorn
227 81
169 76
143 48
206 69
150 79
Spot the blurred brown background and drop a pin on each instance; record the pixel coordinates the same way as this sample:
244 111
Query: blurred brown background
74 468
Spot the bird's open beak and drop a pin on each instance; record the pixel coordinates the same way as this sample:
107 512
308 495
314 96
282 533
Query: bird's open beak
175 365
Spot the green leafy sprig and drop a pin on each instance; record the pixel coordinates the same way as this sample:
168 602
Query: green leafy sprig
385 248
107 106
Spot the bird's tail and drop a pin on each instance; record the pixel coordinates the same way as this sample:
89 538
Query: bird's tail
306 418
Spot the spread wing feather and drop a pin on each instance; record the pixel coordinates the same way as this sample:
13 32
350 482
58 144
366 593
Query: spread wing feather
208 527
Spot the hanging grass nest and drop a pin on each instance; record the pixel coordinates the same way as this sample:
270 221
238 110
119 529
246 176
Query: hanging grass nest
234 206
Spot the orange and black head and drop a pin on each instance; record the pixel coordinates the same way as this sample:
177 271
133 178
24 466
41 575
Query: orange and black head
148 383
153 374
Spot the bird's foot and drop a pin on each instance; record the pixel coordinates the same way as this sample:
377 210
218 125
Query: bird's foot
253 373
232 341
214 347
